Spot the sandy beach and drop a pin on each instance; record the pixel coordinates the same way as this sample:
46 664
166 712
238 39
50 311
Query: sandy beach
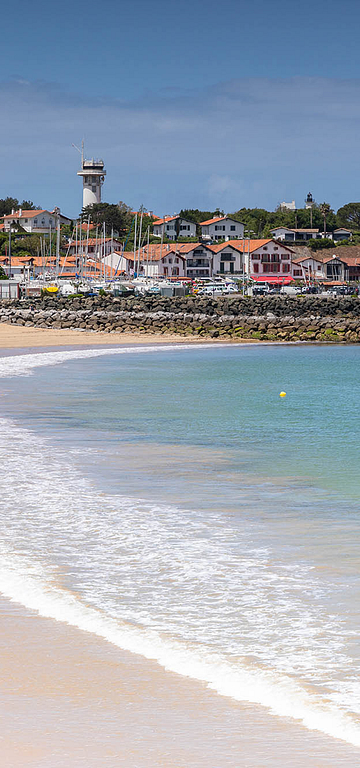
70 698
17 336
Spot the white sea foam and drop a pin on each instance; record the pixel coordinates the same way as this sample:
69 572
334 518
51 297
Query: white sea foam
27 582
136 574
24 365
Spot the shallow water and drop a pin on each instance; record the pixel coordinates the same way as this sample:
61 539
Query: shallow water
170 502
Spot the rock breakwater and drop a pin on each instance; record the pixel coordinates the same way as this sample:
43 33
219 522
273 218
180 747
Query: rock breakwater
273 318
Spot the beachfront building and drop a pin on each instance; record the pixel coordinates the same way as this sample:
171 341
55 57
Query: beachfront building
34 221
325 268
267 261
174 227
308 269
227 259
335 268
221 228
164 260
121 262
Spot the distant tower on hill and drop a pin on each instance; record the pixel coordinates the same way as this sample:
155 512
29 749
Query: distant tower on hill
93 174
309 204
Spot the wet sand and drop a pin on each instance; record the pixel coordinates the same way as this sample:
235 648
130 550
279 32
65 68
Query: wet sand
71 699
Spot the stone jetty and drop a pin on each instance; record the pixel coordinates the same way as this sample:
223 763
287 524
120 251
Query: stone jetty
273 318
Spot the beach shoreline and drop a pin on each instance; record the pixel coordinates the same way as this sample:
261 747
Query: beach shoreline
17 337
68 694
70 697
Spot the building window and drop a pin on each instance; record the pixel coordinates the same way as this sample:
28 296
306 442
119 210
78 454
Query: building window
256 257
265 248
284 256
176 260
232 228
256 267
276 248
286 267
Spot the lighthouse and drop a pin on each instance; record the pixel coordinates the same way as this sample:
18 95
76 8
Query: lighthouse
93 174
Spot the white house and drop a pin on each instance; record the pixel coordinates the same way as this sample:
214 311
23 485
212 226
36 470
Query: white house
285 233
164 260
290 235
307 268
340 234
174 227
267 261
33 221
222 228
227 258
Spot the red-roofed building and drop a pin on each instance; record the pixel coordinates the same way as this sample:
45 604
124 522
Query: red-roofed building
222 228
38 221
174 227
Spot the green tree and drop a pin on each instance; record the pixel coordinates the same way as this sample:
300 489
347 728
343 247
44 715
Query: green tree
196 216
117 218
349 216
28 205
319 244
7 204
325 210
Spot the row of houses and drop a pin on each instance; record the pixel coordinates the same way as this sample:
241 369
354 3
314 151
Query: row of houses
263 260
219 228
227 228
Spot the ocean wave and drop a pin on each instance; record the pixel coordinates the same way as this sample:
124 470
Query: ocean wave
54 525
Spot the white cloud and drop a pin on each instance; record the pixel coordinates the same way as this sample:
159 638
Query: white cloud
245 142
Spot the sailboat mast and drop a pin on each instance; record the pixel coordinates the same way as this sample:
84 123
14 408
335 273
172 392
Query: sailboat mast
138 261
134 270
57 247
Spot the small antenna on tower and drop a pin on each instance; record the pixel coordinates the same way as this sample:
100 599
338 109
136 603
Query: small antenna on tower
81 152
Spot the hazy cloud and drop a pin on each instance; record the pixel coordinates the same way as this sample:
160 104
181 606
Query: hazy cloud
243 142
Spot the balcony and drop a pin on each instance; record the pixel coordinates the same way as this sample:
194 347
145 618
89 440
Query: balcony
198 263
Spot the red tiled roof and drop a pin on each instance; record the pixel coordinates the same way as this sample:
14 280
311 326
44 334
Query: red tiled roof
25 214
228 244
212 221
216 219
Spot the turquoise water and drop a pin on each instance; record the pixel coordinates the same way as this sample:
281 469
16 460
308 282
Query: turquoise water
171 501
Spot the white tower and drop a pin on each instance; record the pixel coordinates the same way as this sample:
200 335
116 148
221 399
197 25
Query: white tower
93 175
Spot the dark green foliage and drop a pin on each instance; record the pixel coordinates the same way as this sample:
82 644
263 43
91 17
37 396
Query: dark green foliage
117 218
193 214
318 245
7 204
349 216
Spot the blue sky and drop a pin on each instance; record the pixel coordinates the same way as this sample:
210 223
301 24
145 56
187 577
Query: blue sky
193 104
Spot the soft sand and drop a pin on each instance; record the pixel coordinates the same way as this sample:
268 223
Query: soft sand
16 336
71 700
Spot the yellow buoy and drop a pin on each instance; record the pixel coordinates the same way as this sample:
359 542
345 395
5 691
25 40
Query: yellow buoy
282 394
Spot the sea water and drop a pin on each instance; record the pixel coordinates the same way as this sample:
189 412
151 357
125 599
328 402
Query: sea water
169 501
